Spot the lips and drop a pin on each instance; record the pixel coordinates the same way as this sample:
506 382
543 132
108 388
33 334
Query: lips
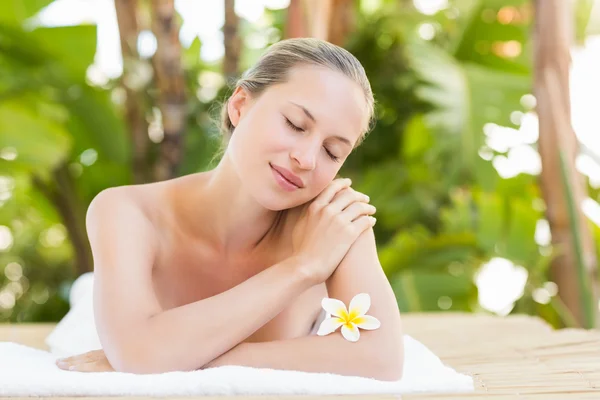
288 175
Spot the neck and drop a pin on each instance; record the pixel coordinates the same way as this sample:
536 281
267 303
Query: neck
232 220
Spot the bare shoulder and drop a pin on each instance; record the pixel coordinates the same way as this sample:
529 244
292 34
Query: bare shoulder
120 212
119 204
123 239
124 242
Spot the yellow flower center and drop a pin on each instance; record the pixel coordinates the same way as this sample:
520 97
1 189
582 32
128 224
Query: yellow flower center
351 318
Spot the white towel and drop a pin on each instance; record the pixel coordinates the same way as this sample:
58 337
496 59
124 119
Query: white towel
25 371
76 332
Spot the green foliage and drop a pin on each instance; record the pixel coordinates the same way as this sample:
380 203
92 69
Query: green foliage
588 304
583 19
49 116
16 12
45 144
55 123
443 210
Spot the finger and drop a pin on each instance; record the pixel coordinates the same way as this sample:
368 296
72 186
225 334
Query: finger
68 359
66 362
364 222
94 366
82 356
93 355
68 365
356 210
330 191
63 364
79 367
345 198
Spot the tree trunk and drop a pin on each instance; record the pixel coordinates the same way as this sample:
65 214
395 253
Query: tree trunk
232 41
553 38
134 112
296 24
342 21
319 17
331 20
64 197
169 80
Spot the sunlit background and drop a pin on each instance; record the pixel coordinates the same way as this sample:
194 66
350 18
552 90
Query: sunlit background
510 149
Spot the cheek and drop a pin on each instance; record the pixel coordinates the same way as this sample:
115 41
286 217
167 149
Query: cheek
323 177
254 138
270 136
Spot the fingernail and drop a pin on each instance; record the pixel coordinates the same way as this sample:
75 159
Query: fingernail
71 368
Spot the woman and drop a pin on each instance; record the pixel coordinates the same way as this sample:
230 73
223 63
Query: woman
230 266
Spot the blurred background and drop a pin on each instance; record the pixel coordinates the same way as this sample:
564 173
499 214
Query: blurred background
484 164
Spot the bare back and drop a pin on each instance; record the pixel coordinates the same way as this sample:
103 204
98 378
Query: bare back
186 269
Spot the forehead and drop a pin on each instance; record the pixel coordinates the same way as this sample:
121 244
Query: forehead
336 101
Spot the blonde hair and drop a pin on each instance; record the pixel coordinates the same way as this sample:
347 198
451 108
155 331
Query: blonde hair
273 66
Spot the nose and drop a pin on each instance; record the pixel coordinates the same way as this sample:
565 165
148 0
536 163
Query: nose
305 154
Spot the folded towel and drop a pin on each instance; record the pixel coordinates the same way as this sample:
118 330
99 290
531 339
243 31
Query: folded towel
26 371
76 332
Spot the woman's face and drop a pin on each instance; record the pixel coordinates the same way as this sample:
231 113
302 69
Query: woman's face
307 125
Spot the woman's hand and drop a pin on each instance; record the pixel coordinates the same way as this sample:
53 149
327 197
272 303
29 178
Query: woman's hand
92 361
328 227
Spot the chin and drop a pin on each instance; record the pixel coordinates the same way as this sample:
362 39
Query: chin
273 200
278 202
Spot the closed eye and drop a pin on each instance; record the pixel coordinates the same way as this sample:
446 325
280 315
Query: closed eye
334 158
298 129
294 127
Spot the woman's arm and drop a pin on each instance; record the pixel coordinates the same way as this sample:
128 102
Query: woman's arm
377 354
136 335
328 354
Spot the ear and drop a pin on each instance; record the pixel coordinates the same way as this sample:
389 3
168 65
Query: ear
235 106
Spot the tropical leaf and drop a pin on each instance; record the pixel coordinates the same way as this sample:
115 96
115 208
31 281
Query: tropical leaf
583 16
418 140
73 47
18 49
417 250
17 11
422 291
584 276
39 143
521 247
466 97
491 221
95 123
53 66
458 216
496 35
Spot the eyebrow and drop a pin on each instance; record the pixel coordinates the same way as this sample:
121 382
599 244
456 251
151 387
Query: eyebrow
309 115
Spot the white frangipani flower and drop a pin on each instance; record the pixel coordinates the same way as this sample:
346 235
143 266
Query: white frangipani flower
351 320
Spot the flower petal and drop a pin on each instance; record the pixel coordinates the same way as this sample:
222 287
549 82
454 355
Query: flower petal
329 325
350 332
360 304
334 307
367 322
